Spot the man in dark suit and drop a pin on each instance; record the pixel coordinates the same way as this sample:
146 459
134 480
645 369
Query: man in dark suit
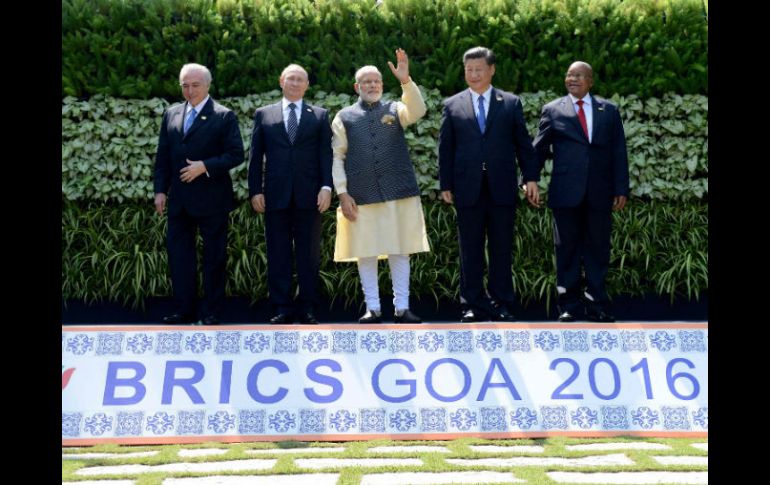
292 190
199 143
482 137
584 136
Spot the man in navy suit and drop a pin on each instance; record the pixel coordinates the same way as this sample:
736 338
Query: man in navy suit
584 136
290 178
199 143
482 137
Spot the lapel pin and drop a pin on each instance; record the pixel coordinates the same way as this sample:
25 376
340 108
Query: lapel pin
308 110
203 118
499 98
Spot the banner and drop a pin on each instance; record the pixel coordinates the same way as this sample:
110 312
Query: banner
186 384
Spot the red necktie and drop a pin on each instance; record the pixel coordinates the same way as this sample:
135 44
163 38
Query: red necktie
582 117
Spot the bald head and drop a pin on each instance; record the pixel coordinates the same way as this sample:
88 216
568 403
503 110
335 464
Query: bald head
579 79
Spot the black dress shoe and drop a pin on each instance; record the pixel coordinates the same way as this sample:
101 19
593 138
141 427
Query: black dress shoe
308 319
566 317
599 316
209 320
407 317
281 318
176 318
370 317
468 316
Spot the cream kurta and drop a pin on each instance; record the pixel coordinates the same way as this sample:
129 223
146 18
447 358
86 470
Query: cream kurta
390 227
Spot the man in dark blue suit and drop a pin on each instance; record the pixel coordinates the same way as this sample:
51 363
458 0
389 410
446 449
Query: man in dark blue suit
584 136
290 178
199 143
482 137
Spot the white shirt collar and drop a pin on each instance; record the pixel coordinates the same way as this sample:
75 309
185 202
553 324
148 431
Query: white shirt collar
198 107
285 104
586 99
487 95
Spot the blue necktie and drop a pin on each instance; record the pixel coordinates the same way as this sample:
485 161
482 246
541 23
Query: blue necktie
292 126
482 117
189 121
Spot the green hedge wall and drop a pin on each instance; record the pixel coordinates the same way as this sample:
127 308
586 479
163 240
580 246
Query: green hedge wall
117 252
134 49
109 144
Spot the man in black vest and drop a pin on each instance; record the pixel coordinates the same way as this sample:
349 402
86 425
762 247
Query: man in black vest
199 143
380 213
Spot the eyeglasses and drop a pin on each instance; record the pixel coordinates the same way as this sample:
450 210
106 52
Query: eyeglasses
579 76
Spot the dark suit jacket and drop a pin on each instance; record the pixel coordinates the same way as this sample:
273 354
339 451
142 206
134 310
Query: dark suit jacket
463 149
598 170
215 139
300 169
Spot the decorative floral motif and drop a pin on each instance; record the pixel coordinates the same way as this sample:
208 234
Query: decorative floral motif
282 421
662 340
489 341
547 340
251 422
139 343
197 343
431 341
257 342
190 422
109 344
523 418
403 420
554 417
675 417
342 420
575 340
98 424
614 417
692 341
315 342
129 423
343 342
169 343
493 419
517 341
604 341
633 341
645 417
433 419
584 417
701 417
70 424
372 421
286 343
160 422
312 420
373 342
463 419
80 344
460 341
221 421
228 343
401 341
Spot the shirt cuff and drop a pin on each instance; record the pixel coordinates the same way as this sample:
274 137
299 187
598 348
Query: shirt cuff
326 187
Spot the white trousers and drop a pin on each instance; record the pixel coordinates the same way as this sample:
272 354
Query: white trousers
399 275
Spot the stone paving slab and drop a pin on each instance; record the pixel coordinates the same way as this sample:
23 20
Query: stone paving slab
101 482
191 453
91 456
418 478
618 446
286 451
401 449
307 479
701 446
507 449
628 478
214 466
599 460
318 463
682 460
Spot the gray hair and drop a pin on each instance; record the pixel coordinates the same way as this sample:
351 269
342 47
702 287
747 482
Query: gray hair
367 70
195 67
294 67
